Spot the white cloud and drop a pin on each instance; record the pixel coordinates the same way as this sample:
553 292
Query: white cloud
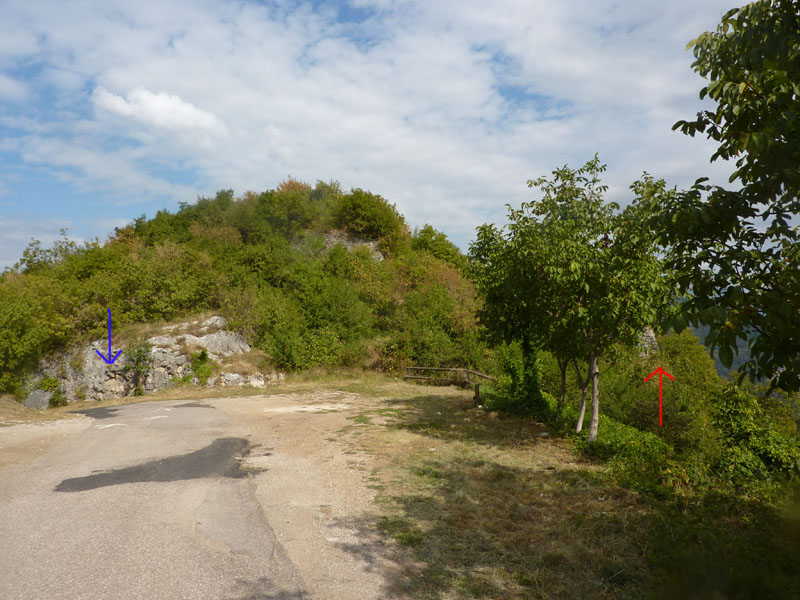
159 110
17 232
11 89
407 103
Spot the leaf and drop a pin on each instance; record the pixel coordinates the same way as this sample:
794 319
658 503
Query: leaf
726 355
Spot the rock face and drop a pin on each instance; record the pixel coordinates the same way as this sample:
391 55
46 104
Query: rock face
351 241
82 375
648 343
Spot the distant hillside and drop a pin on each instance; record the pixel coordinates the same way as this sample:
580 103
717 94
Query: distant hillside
739 359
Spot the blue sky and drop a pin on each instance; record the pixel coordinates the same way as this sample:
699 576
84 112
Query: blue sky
109 111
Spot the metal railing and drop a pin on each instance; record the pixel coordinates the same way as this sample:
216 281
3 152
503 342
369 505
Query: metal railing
461 377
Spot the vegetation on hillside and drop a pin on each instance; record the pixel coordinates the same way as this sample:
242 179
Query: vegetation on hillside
262 261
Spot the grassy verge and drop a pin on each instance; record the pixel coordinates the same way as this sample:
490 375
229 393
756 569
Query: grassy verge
481 506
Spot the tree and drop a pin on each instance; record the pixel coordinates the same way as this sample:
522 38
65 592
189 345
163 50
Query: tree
736 252
436 243
570 274
289 206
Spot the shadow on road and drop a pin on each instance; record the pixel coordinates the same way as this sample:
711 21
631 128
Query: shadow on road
222 458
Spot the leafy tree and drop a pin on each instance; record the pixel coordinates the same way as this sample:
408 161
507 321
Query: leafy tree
436 243
288 207
736 251
570 274
367 214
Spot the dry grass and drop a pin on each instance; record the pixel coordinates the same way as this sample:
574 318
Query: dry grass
483 507
130 333
13 412
249 363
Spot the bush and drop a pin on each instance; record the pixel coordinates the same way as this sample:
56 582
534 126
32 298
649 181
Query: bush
367 214
518 389
436 244
754 448
51 384
203 367
639 459
140 361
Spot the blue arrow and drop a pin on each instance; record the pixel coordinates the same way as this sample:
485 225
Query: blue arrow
109 360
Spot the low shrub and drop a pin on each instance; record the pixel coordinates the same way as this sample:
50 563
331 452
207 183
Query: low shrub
51 384
639 459
203 367
140 360
754 447
518 389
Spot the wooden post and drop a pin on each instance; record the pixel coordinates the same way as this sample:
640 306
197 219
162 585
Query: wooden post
477 394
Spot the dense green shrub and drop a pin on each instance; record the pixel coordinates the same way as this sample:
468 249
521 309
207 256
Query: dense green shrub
754 447
203 367
519 387
369 215
33 321
436 243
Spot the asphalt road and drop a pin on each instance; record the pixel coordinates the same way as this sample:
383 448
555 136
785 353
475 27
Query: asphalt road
148 501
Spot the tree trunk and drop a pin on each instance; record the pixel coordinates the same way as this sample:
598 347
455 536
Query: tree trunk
584 387
562 365
594 375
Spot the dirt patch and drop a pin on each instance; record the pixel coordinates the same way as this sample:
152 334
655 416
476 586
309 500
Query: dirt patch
22 442
314 488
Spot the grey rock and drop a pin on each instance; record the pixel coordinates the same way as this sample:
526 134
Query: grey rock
350 242
162 340
38 399
647 342
214 322
232 379
82 374
256 381
224 343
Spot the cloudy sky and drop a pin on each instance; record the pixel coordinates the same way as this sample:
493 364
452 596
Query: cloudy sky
110 110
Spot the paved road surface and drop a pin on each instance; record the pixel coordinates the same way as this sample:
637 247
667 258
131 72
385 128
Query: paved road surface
148 501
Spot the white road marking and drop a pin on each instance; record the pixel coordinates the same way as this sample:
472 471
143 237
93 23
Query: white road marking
158 417
111 425
165 409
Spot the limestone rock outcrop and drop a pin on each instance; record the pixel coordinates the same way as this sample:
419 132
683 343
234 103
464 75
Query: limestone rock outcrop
80 374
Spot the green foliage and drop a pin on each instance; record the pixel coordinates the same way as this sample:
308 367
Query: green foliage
32 322
638 459
203 367
435 324
519 387
436 243
369 215
687 397
754 446
139 359
569 274
741 276
303 308
51 384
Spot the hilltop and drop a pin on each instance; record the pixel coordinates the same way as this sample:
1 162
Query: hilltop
310 276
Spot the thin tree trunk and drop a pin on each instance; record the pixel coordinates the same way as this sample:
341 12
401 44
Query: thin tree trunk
584 387
562 365
594 375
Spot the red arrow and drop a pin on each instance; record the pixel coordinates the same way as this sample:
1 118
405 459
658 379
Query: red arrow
661 372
